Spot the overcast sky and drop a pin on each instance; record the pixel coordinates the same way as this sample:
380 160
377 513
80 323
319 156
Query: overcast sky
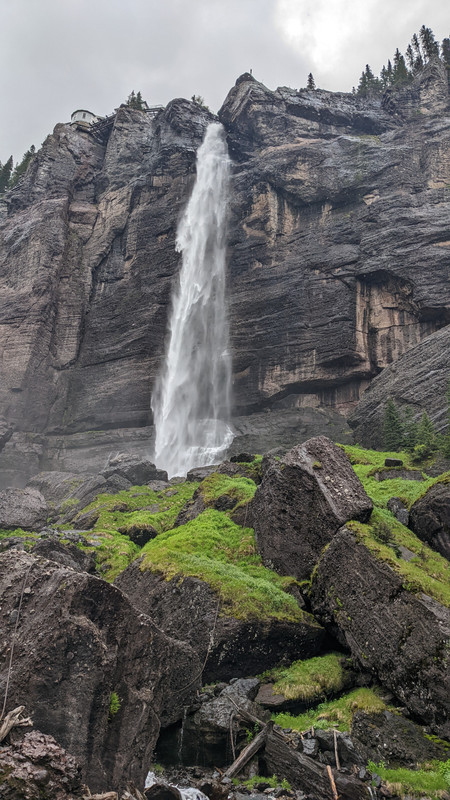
60 55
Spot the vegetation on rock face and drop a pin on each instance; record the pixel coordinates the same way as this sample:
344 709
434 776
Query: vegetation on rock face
425 571
10 175
335 713
221 553
431 780
311 679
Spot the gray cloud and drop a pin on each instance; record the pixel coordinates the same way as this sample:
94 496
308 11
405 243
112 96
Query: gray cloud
58 55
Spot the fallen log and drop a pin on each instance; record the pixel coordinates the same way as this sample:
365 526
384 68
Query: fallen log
248 752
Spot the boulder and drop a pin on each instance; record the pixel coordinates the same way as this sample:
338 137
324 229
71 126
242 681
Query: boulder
303 499
399 510
393 473
188 609
23 508
80 645
68 555
67 493
430 518
36 766
391 737
134 469
206 734
398 635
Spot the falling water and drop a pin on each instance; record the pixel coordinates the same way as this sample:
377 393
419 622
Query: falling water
191 401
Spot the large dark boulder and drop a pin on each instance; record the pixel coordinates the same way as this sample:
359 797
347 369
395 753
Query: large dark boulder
303 499
390 737
188 609
23 508
399 635
79 645
429 518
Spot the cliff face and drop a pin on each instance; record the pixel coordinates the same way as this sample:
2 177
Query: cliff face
338 258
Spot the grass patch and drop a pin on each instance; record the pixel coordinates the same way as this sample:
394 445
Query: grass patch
239 489
334 713
127 508
427 572
432 780
311 679
384 535
216 550
29 537
113 552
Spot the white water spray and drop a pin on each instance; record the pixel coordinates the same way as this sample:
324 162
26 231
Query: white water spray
191 401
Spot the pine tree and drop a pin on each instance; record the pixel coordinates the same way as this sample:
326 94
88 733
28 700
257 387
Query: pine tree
311 82
409 429
426 433
399 72
418 56
5 175
392 427
446 56
446 436
21 168
430 47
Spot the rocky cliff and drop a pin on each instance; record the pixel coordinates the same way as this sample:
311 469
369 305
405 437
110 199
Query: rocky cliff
339 243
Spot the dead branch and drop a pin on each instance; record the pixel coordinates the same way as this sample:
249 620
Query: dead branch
249 751
12 720
332 783
336 754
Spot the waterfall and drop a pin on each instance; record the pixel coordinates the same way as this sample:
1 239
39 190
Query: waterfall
191 400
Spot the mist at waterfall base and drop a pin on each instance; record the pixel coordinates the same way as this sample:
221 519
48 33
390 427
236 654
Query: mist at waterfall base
191 400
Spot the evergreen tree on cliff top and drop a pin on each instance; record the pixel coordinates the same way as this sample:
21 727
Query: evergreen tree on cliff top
5 174
311 84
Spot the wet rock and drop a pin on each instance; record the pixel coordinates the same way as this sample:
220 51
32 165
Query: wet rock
397 634
36 766
68 555
399 510
22 508
242 458
392 738
140 534
112 649
347 753
187 609
303 499
134 469
393 462
198 473
206 734
67 492
430 518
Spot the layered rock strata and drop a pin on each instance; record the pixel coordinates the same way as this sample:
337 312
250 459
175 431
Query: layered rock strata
338 260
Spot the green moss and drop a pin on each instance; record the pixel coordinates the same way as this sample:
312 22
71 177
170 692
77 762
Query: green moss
214 549
127 508
237 488
66 505
427 572
334 713
311 679
384 535
113 552
432 780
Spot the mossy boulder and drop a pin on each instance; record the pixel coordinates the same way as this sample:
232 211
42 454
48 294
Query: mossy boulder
391 628
303 499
